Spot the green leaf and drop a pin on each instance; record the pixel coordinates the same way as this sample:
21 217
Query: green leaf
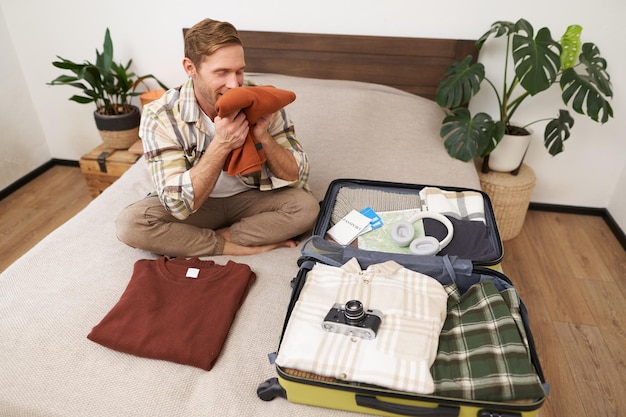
82 86
499 28
92 76
141 79
558 131
589 93
81 99
468 137
570 42
537 60
461 81
68 65
107 51
63 79
596 67
93 94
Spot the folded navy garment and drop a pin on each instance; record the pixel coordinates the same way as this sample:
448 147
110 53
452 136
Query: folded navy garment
470 241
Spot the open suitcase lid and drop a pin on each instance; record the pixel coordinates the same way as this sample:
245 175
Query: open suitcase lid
482 247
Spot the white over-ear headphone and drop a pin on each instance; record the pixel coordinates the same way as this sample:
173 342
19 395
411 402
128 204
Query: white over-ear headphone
402 233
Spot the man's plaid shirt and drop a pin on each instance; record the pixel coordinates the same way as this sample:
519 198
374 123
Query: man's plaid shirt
174 137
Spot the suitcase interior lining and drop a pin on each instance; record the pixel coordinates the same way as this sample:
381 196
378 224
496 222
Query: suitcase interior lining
349 198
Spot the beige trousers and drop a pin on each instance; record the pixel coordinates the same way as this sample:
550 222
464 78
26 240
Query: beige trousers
254 217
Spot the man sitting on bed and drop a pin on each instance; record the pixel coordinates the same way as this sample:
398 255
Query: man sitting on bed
198 209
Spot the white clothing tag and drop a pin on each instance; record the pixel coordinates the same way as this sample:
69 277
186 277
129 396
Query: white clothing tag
192 273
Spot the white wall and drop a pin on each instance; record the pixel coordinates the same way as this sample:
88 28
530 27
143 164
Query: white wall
23 144
591 172
617 205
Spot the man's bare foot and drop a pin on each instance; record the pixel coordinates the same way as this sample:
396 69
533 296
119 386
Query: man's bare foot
231 248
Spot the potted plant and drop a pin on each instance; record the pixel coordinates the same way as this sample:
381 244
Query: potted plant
539 62
111 86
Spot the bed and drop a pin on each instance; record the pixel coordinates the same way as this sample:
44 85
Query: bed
363 110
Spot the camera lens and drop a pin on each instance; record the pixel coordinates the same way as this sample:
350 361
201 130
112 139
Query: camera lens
354 311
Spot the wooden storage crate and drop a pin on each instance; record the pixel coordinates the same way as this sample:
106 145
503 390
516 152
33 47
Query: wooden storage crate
103 165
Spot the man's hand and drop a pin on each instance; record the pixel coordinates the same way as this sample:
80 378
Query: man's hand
279 160
231 131
261 126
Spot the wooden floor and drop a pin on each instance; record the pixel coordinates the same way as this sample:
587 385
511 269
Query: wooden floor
569 269
571 272
34 210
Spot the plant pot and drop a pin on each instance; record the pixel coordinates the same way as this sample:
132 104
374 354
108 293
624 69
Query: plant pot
509 154
119 131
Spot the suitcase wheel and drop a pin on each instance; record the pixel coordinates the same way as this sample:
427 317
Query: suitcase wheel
270 389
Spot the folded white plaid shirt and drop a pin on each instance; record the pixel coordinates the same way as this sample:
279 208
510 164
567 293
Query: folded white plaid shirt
400 357
462 205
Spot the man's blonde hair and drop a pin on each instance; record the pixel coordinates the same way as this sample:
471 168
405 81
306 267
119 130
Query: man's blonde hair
207 36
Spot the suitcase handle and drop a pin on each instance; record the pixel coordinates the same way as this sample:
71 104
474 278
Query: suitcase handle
406 410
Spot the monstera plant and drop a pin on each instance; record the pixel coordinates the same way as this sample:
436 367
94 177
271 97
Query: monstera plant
538 62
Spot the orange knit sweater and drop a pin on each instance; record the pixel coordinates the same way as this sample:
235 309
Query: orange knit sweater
255 102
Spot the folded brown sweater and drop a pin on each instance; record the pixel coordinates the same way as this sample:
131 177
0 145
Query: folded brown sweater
178 310
255 101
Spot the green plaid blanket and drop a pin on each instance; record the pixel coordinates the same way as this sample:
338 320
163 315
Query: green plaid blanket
482 352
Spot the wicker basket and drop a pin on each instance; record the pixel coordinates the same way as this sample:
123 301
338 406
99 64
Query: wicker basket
510 197
119 139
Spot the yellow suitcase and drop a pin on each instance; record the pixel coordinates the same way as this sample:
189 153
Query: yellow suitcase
305 388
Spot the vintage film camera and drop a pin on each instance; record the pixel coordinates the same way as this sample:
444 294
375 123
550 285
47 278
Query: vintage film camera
352 319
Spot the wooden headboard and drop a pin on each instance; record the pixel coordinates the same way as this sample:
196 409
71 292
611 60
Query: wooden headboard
415 65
